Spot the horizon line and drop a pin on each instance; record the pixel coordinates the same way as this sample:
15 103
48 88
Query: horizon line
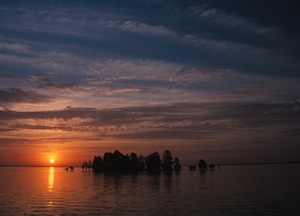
225 164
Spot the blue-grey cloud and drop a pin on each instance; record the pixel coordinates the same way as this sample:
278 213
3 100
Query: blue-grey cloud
88 31
14 95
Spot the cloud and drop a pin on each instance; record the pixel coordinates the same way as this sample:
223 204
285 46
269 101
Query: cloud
192 74
181 120
111 34
244 57
146 29
13 47
166 135
48 84
15 95
16 142
133 67
193 127
78 21
110 91
229 20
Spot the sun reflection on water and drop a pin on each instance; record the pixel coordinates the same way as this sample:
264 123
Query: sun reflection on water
51 179
50 203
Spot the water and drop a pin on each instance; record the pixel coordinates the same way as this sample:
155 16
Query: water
230 190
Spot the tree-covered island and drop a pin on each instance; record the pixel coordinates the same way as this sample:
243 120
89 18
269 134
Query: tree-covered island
118 162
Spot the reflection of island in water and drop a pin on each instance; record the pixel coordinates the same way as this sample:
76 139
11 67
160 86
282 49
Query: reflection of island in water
51 179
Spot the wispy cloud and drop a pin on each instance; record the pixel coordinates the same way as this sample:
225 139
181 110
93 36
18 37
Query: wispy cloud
110 91
13 47
201 118
48 84
98 29
146 29
14 95
186 74
233 21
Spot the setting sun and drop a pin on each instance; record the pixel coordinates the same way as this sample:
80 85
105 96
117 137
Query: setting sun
51 160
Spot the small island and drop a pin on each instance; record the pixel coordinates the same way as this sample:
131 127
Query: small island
117 162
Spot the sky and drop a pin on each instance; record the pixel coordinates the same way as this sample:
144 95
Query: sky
208 79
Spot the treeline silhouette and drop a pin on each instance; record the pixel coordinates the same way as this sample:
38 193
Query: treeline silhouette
203 166
118 162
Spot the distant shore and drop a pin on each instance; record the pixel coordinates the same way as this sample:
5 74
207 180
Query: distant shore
225 164
257 163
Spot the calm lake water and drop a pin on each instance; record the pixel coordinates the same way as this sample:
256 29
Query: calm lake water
230 190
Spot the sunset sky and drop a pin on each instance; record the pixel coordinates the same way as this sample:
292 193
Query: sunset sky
208 79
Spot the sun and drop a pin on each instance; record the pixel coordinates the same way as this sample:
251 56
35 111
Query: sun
52 161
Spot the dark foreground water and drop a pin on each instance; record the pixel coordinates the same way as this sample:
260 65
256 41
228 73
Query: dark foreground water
230 190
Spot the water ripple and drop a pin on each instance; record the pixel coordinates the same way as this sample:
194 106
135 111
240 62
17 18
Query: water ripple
229 191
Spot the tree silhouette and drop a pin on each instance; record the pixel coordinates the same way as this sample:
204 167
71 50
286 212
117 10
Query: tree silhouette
98 164
177 166
120 162
117 162
142 163
134 162
108 161
84 166
153 162
167 161
89 165
202 164
192 167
